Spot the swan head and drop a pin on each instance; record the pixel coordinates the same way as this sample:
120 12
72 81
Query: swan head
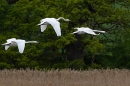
102 31
35 42
76 28
67 20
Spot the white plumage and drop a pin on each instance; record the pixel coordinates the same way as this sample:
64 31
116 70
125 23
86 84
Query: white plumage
87 30
17 42
54 22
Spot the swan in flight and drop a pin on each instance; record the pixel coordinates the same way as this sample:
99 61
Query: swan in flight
17 42
54 22
84 30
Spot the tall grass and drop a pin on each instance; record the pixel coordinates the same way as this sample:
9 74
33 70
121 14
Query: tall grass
66 77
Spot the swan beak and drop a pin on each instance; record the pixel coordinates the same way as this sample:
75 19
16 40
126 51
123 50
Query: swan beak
38 24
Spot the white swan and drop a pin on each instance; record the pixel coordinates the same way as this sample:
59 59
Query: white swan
17 42
54 22
84 30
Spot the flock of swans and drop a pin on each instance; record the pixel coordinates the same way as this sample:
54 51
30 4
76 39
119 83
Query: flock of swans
43 25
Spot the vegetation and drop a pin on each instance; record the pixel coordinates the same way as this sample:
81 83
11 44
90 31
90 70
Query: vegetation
19 19
65 77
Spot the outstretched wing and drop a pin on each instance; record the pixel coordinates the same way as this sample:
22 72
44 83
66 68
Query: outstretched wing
21 45
7 44
43 27
89 31
74 32
9 40
6 47
55 24
57 29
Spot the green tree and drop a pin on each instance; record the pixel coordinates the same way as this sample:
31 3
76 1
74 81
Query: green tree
20 20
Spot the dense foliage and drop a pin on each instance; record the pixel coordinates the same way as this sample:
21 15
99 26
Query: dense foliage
19 19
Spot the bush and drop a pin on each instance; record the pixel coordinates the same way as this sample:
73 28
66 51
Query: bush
95 66
77 64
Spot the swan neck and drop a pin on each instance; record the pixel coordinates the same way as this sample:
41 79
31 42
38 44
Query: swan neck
61 18
30 42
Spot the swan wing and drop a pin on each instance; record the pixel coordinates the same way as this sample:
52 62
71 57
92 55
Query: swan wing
43 27
7 44
57 29
9 40
21 45
6 47
79 31
89 31
75 32
41 21
55 24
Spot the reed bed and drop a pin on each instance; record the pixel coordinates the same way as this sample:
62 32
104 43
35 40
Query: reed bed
65 77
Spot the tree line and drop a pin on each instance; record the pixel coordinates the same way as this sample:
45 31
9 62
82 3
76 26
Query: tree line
19 19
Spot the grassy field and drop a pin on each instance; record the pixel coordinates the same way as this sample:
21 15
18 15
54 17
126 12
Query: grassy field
66 77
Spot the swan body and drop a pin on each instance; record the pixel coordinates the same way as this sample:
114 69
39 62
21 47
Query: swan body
87 30
17 42
53 22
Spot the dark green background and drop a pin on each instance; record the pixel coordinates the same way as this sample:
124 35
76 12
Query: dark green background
19 19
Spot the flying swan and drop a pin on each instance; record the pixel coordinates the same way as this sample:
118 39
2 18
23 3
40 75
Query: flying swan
87 30
54 22
17 42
